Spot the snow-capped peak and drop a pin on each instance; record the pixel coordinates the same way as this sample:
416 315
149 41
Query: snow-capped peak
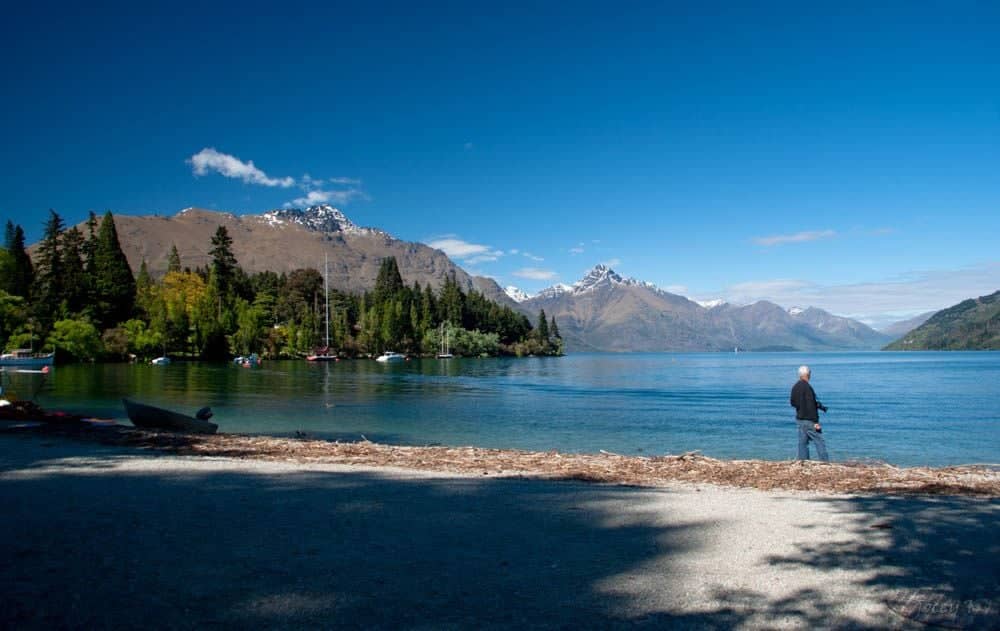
555 290
323 218
516 294
794 311
711 304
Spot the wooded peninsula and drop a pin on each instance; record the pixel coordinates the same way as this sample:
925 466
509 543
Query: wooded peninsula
79 298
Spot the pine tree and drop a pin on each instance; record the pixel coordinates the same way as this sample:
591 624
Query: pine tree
554 329
74 277
223 261
543 327
48 290
20 274
389 282
174 260
114 285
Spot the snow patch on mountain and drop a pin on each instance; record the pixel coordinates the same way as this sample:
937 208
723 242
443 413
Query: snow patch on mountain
711 304
794 311
516 293
323 218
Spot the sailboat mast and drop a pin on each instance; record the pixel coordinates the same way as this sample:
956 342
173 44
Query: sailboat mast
326 294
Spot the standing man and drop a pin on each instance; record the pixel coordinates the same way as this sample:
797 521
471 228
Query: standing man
807 415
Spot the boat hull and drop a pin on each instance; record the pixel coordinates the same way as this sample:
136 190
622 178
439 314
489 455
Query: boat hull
149 417
32 361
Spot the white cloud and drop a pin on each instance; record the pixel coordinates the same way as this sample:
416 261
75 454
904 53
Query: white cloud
531 256
575 251
798 237
345 181
208 159
533 273
471 253
880 301
319 196
612 263
513 251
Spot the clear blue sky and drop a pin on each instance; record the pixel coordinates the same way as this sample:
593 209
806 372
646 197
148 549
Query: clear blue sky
842 155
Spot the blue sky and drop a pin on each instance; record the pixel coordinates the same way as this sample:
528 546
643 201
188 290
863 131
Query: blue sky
839 155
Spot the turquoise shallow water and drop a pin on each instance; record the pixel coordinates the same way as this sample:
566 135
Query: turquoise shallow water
904 408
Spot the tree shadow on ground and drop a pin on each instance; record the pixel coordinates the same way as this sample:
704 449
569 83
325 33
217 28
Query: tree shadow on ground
932 560
104 547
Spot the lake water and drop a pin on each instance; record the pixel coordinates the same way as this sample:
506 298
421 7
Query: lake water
904 408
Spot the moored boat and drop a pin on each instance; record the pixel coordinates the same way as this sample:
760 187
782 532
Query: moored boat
26 358
390 356
160 361
149 417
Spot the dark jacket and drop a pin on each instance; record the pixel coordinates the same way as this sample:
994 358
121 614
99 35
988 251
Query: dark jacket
804 401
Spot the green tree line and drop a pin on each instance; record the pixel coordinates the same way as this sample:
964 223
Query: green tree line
78 297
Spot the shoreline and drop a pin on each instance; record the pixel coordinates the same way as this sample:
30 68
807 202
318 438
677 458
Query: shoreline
604 467
115 532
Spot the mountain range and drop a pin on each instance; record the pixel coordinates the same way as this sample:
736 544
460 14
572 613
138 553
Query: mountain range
972 324
604 311
287 239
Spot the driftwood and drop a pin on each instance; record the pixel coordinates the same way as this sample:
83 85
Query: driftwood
606 467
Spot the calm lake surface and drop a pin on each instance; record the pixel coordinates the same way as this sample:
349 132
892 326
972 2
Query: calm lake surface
904 408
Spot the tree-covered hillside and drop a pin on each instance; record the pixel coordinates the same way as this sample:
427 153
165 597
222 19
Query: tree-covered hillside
970 325
80 298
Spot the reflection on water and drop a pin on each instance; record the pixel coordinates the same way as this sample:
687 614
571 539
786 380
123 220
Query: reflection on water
907 408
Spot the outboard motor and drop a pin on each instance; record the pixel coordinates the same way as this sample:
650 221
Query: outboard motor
203 414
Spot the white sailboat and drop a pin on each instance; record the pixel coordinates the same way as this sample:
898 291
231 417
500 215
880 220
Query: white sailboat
323 354
445 353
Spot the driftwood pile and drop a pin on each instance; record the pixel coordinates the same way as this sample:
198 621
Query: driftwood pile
849 477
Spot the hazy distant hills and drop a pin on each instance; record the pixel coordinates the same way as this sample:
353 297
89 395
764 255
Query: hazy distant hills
972 324
284 240
897 329
606 312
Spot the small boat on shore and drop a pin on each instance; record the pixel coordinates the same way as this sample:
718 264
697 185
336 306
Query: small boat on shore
390 356
25 358
149 417
160 361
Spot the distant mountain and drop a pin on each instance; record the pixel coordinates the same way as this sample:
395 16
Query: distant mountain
898 329
607 312
516 294
972 324
287 239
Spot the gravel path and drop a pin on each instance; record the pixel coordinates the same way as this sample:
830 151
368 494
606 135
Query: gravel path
99 537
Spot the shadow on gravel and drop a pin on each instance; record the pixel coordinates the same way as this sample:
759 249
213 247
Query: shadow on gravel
99 549
933 560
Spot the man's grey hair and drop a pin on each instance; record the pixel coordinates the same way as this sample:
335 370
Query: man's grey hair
804 370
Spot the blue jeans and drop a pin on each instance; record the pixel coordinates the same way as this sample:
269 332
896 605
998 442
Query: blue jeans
808 433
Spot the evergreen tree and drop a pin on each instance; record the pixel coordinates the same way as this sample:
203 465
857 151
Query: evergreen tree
451 301
174 259
74 276
20 272
543 327
48 290
554 329
389 282
223 261
114 285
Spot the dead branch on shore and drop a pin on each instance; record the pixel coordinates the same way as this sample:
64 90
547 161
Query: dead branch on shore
605 467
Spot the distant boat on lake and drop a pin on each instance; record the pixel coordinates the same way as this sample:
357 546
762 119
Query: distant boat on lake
445 352
323 354
390 356
160 361
24 357
149 417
